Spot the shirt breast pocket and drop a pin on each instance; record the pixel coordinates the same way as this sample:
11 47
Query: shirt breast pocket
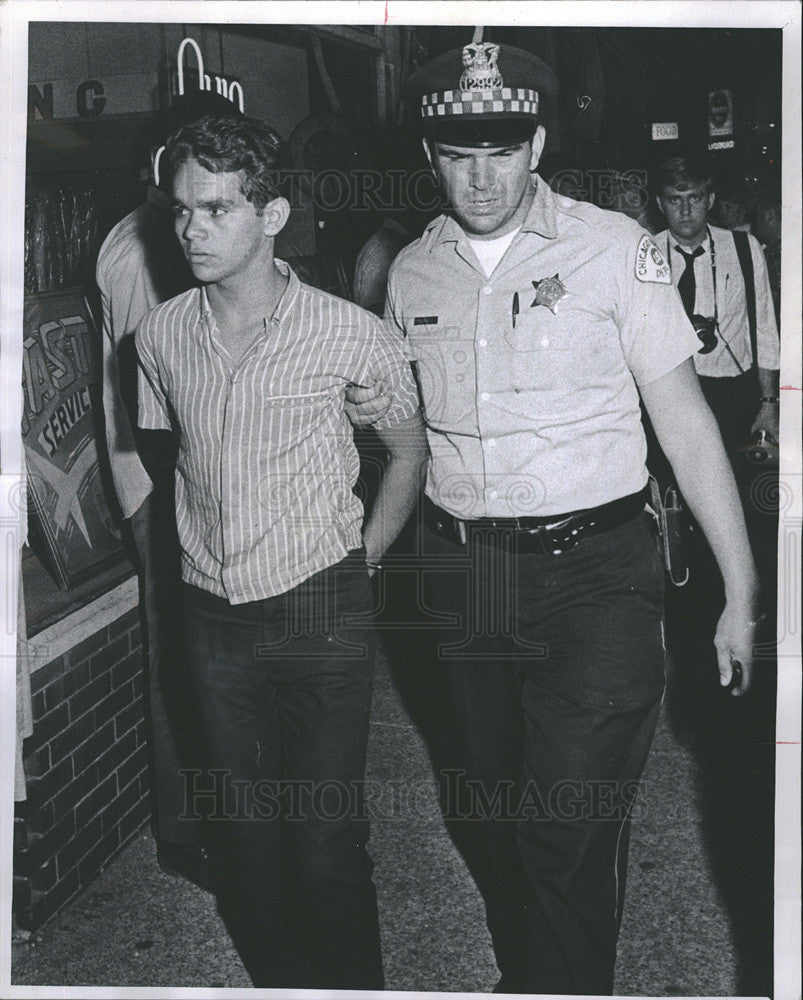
293 417
570 349
537 353
444 366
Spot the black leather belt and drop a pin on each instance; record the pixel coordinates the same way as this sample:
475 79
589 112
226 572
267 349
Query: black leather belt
555 533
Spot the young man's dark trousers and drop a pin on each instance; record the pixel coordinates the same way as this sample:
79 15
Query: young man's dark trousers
284 686
557 668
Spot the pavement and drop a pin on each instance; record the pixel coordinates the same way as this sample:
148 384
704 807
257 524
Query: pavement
137 927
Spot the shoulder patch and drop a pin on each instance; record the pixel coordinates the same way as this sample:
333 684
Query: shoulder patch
650 264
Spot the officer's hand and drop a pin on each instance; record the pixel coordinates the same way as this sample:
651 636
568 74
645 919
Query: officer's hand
734 642
767 420
365 404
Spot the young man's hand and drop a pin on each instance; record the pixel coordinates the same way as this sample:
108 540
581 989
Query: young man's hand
365 404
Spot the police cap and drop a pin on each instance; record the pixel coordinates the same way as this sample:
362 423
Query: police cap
481 95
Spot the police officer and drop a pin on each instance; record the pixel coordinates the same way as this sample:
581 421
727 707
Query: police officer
533 322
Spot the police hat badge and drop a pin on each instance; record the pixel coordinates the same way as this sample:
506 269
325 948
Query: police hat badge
482 95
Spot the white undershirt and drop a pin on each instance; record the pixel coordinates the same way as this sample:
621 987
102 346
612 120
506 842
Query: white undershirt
490 252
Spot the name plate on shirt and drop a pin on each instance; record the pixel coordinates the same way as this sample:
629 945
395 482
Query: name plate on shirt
72 529
425 321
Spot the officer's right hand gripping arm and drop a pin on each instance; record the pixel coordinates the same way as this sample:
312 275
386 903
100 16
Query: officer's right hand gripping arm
365 404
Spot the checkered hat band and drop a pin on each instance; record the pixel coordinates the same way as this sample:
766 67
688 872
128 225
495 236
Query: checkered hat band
477 102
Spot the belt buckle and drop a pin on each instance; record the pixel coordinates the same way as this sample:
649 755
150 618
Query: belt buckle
557 538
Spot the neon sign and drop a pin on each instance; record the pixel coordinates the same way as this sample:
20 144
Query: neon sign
230 89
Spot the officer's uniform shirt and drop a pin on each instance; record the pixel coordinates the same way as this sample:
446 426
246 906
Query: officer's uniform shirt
731 303
542 416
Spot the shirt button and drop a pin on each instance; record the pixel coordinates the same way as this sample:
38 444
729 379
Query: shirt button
487 289
545 342
491 442
483 343
485 395
493 494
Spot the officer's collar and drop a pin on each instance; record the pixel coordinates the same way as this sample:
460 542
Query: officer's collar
540 218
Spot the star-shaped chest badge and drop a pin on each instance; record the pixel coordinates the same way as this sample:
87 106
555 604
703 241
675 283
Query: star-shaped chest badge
548 292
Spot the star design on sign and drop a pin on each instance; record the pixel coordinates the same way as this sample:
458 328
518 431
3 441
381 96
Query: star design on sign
65 486
548 292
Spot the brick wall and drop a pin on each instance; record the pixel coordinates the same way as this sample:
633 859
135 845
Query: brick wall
85 766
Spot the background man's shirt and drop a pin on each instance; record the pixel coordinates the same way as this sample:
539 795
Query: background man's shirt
139 265
266 462
731 303
536 412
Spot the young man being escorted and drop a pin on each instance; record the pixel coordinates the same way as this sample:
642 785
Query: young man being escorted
251 368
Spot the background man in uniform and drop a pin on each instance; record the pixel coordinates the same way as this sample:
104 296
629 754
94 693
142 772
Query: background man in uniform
251 368
140 265
533 322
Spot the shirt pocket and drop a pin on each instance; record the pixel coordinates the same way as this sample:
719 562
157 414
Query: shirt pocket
445 369
576 348
292 420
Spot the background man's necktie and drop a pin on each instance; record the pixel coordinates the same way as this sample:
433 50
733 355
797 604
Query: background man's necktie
687 285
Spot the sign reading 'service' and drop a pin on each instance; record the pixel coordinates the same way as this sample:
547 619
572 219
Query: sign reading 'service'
71 526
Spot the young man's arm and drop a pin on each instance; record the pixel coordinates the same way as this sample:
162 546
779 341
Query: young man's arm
688 433
404 475
371 401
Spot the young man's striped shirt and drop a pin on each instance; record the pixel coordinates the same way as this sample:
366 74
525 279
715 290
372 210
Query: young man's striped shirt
267 463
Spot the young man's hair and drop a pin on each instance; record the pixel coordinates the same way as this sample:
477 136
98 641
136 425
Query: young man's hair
227 145
683 173
195 104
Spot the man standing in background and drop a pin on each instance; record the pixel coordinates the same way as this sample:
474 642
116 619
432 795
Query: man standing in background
767 229
726 294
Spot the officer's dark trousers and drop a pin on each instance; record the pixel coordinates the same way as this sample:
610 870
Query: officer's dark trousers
563 656
285 688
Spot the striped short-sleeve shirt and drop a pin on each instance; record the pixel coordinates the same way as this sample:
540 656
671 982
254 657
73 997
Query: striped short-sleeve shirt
267 463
